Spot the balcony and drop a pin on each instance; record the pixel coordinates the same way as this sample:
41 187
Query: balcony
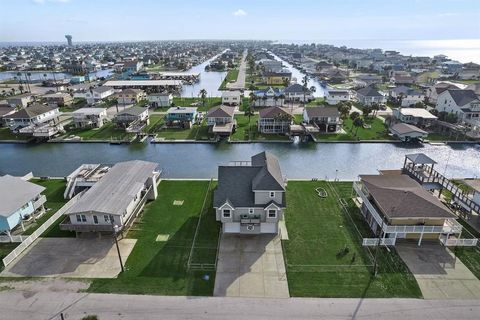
66 225
39 202
249 221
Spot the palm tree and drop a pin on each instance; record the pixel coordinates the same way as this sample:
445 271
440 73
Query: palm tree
21 88
203 96
354 115
305 87
29 80
344 110
357 123
115 100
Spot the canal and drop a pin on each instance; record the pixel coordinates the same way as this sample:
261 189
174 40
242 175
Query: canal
346 160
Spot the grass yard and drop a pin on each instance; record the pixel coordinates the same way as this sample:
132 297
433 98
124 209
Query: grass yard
6 134
197 102
54 193
231 76
159 267
197 132
318 264
107 132
378 131
248 132
156 121
317 102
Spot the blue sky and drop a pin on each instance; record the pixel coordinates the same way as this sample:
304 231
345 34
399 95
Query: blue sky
115 20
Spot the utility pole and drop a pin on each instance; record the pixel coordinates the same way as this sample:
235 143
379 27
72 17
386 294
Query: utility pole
115 232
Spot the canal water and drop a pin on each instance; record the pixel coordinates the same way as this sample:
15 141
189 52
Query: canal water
344 160
297 74
210 81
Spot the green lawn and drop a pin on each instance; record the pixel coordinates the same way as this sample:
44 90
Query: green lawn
197 132
248 132
318 264
160 267
54 193
6 134
107 132
5 249
156 121
231 76
317 102
378 130
187 102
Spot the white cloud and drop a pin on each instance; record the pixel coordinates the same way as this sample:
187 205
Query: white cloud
57 1
240 13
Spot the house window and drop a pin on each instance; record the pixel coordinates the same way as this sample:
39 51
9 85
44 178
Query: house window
272 194
108 218
226 213
272 213
81 218
95 219
250 211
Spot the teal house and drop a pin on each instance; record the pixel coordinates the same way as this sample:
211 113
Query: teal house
181 114
20 200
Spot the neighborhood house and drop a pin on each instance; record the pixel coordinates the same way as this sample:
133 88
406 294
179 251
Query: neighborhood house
250 196
115 200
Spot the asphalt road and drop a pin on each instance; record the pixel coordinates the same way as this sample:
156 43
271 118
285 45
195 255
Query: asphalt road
48 305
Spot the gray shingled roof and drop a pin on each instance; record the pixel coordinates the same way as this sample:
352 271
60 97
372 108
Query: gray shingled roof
134 111
462 97
272 112
399 196
115 191
221 112
295 88
30 112
369 92
15 193
317 112
236 183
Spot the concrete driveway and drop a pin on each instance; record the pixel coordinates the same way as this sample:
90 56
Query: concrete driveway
71 257
251 266
439 274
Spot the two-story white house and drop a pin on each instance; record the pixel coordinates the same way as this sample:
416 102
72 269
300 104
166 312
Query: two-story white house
89 117
250 196
327 119
220 120
369 95
297 93
97 94
335 96
464 103
408 96
160 100
33 116
231 98
269 97
115 200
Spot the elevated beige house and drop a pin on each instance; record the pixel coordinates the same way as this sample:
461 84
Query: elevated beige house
397 207
250 197
115 200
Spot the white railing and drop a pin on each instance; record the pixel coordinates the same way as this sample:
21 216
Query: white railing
11 238
357 187
31 238
377 241
39 202
459 242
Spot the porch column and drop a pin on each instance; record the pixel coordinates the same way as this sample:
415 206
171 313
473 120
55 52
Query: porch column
420 240
21 223
9 235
